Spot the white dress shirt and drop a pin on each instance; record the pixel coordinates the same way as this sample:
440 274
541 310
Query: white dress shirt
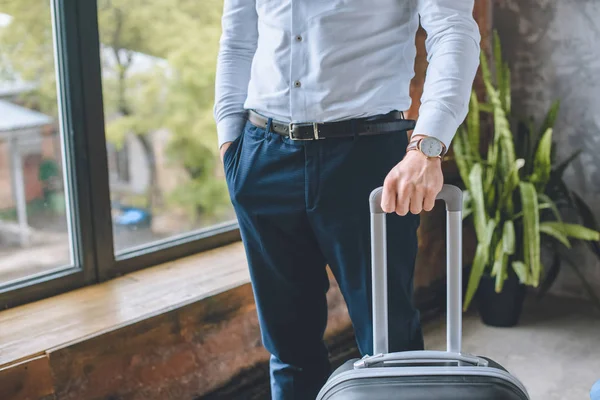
328 60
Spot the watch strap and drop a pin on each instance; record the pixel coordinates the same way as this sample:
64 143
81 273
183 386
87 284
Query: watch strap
413 144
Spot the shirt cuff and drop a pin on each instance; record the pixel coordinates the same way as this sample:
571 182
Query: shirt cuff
230 128
436 123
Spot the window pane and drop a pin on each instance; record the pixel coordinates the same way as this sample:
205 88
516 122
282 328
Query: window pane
34 230
158 66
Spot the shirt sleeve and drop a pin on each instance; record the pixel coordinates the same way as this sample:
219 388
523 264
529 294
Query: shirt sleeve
234 62
453 54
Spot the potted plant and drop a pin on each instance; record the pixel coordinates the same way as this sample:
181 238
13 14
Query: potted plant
505 198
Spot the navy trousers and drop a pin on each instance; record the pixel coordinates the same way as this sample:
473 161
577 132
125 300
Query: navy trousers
302 205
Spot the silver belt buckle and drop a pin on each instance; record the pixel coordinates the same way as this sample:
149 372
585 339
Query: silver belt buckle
315 126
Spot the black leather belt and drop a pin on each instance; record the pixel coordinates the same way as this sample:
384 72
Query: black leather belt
386 123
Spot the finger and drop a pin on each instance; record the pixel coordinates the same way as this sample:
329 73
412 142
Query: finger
416 202
388 198
429 200
403 199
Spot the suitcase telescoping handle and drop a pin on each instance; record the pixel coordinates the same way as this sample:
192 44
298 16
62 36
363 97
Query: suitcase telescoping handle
452 196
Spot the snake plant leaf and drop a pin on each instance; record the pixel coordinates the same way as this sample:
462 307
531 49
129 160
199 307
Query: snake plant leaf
584 211
500 264
557 173
499 67
511 184
563 195
501 124
531 230
519 163
480 261
587 216
477 268
531 146
467 198
501 273
551 117
507 89
558 234
485 71
505 248
479 212
473 124
490 198
508 237
522 271
462 159
466 212
507 158
542 165
463 135
486 107
474 127
502 75
492 155
497 255
542 206
574 231
467 204
549 203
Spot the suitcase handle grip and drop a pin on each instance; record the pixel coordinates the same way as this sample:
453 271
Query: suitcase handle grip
424 356
452 196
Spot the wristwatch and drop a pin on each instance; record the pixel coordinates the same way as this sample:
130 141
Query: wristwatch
428 145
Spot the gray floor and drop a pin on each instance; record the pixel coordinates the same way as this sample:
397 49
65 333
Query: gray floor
555 350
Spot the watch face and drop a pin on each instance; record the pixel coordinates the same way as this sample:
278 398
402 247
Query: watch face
431 147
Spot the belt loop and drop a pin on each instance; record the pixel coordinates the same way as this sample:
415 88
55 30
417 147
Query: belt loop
269 124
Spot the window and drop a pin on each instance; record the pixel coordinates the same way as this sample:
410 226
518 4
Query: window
34 227
108 149
157 74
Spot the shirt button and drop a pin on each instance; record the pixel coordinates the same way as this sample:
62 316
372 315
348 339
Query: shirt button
298 38
297 84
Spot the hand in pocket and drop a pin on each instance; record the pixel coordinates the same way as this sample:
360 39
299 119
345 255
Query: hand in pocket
224 148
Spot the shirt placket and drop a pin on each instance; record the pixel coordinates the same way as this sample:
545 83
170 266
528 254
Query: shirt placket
297 80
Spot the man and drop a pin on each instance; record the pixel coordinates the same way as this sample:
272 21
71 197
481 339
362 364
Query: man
309 101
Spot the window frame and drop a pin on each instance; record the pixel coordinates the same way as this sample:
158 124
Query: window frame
79 90
70 96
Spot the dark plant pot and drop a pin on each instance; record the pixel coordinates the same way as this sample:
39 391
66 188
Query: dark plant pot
500 309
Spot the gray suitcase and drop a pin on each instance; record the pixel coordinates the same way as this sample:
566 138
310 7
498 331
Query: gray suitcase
418 375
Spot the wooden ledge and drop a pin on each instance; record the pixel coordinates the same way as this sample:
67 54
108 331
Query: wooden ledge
36 328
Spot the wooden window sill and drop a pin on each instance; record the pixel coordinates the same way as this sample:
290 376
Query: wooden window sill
34 329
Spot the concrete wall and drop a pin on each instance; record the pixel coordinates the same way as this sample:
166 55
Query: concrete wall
554 51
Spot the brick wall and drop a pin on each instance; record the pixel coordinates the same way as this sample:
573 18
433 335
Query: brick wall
31 165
